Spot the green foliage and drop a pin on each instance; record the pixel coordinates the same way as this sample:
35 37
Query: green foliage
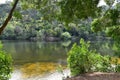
5 64
58 31
37 4
109 23
116 49
96 25
17 14
35 23
66 36
48 8
60 70
73 10
9 32
81 59
100 24
64 10
109 2
117 68
78 9
114 32
40 34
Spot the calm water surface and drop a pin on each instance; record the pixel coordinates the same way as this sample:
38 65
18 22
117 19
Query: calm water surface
36 58
25 51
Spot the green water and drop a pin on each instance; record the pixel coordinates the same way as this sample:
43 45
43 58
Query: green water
28 52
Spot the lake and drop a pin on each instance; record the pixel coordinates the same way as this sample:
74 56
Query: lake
40 58
26 51
32 59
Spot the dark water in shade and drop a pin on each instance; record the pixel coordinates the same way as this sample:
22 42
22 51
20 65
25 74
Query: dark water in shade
28 52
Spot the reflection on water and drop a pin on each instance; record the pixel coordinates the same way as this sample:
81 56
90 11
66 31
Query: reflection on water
35 58
24 51
103 47
39 58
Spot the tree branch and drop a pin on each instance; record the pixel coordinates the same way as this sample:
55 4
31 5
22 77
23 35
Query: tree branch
9 17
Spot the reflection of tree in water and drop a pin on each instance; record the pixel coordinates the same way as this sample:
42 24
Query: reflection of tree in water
66 44
103 47
24 51
51 51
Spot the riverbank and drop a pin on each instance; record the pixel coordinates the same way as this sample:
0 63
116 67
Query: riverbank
97 76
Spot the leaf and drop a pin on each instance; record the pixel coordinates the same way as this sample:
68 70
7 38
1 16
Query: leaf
17 14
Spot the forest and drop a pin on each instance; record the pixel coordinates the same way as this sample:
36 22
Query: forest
75 28
30 25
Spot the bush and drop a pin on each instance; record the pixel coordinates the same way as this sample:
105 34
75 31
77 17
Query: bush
81 60
66 36
5 64
58 31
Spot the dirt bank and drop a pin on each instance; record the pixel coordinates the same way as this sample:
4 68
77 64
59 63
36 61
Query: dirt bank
97 76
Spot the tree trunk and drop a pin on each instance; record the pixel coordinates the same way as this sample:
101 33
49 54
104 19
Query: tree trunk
9 17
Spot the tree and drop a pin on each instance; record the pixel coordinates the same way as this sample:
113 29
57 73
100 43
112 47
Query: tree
45 6
109 21
105 17
67 11
78 9
58 9
9 17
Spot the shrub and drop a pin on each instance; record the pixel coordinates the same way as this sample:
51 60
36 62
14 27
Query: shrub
66 36
5 64
81 60
58 31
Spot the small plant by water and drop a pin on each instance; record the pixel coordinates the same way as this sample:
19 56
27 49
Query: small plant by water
82 60
60 70
5 64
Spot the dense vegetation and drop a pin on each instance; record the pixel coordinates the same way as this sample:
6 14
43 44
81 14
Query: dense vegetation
30 25
5 64
81 59
67 12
